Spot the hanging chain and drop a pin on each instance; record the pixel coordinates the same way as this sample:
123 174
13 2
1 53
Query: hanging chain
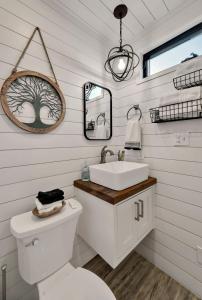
120 33
44 47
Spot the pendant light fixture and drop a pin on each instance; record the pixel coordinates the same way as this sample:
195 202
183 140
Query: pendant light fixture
122 60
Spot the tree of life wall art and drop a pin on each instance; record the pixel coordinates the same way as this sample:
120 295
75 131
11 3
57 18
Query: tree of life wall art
33 101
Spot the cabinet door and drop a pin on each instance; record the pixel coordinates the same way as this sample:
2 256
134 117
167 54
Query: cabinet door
145 212
127 233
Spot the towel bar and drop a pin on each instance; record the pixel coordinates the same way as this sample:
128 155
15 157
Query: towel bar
135 107
101 115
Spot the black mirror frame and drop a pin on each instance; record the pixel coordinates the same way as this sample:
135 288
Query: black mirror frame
84 111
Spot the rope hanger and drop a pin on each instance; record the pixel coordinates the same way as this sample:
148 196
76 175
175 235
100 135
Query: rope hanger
44 47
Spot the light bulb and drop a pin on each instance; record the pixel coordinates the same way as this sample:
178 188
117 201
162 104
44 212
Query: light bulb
121 64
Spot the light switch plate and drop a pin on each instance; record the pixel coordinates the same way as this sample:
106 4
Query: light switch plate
181 139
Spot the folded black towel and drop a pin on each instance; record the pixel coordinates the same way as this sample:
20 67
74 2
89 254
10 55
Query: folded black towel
50 196
53 193
51 200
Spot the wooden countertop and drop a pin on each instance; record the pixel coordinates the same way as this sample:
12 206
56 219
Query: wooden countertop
112 196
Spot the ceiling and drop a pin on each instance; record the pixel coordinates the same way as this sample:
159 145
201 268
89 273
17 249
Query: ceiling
97 16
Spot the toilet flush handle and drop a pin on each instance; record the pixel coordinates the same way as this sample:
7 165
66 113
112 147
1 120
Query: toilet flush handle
33 243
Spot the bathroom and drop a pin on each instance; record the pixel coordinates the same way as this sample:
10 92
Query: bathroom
69 43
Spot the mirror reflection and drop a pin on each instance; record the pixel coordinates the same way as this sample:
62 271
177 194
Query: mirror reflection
97 112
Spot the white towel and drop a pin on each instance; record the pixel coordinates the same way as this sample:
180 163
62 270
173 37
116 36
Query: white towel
189 94
169 99
133 135
181 96
189 66
47 207
101 132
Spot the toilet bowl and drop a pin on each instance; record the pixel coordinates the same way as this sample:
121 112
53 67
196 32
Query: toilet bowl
44 249
74 284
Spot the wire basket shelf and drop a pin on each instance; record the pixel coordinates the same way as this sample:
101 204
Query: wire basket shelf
188 80
187 110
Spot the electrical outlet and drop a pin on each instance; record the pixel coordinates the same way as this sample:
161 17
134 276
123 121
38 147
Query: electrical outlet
181 139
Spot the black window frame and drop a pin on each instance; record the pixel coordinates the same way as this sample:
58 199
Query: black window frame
183 37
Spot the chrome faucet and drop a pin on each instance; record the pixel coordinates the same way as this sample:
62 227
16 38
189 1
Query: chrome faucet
104 153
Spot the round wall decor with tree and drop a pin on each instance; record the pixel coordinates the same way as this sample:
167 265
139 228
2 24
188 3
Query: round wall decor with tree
32 100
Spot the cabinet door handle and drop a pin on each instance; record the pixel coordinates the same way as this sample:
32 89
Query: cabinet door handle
142 208
137 218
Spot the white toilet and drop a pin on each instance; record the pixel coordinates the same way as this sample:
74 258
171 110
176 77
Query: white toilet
44 248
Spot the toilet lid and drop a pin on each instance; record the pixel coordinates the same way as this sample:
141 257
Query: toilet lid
80 284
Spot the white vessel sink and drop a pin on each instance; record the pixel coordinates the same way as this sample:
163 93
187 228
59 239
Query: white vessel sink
119 175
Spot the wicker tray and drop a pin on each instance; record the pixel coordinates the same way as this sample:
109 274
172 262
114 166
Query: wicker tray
48 214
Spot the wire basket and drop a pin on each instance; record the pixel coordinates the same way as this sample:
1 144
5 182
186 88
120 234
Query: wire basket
188 80
187 110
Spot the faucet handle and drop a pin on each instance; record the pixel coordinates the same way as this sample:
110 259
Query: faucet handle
121 155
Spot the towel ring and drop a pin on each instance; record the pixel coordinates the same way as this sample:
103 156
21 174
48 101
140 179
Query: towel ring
101 115
135 107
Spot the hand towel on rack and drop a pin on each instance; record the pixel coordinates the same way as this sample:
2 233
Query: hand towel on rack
101 132
133 135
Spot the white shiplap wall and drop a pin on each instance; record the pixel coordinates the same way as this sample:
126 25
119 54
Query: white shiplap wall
31 162
172 245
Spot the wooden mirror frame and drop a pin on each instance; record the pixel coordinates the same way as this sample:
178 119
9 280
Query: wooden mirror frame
12 117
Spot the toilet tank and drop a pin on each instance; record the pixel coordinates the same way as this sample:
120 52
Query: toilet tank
45 245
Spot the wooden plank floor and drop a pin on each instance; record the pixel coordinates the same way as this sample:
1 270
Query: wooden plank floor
137 279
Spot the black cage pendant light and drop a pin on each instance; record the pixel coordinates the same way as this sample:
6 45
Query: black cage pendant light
122 60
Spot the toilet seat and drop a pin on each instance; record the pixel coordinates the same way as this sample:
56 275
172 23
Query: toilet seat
74 284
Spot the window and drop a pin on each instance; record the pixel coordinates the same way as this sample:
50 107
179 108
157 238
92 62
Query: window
173 51
96 94
93 92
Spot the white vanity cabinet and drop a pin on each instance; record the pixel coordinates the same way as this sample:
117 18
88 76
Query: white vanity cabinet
134 218
113 231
